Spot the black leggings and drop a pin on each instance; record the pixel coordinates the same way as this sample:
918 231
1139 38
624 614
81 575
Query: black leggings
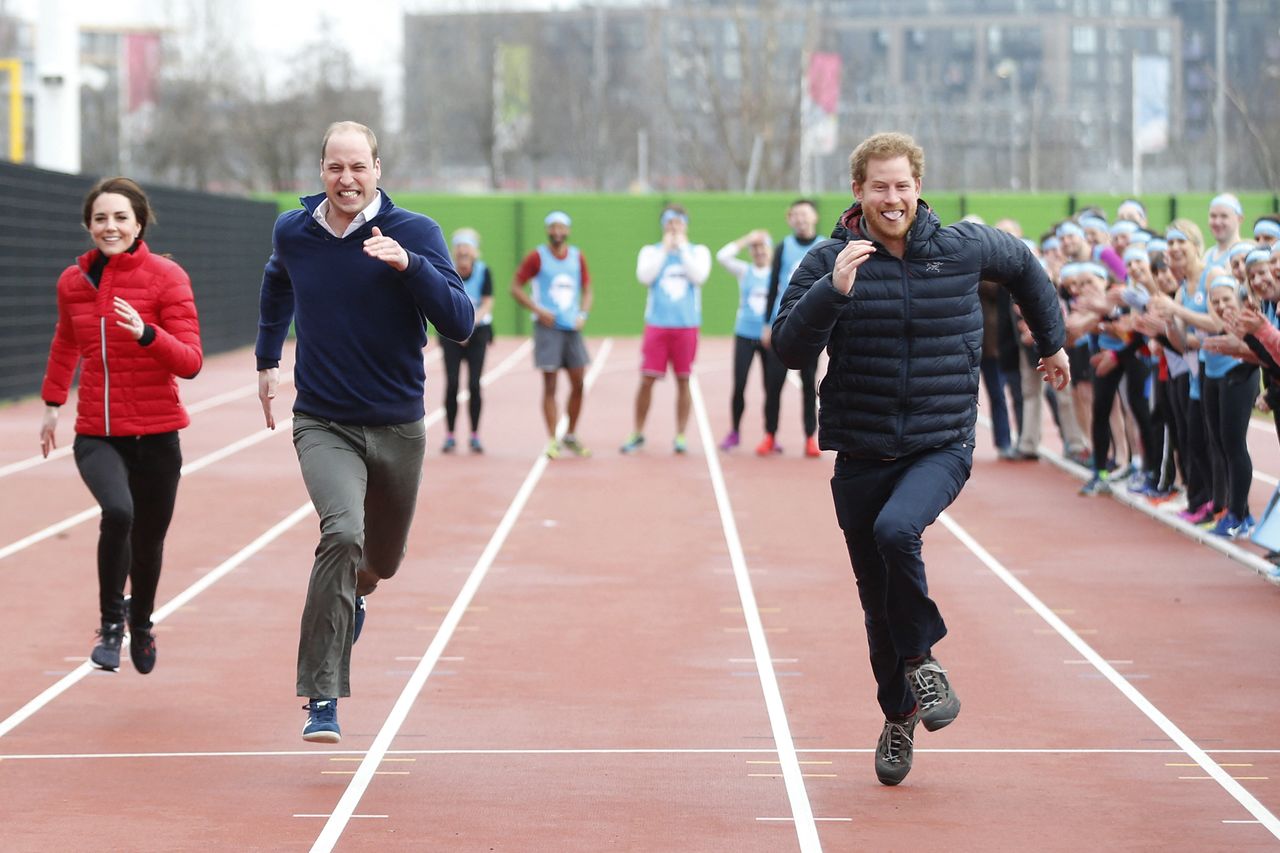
1228 403
1135 371
135 481
775 376
744 352
454 354
1165 428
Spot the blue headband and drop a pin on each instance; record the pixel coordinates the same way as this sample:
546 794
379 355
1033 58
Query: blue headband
1229 201
1124 226
1132 202
1068 270
1094 268
1175 234
1140 237
1095 222
1223 281
463 239
1070 228
1242 248
1257 256
557 217
1050 243
1267 228
1155 244
1136 253
668 215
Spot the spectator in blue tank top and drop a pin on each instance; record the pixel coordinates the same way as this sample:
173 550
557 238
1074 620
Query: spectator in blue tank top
478 283
674 271
753 295
559 304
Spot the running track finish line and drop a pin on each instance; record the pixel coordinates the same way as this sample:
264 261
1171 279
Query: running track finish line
344 811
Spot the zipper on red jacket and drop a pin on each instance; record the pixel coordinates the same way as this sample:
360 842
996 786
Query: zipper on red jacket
106 379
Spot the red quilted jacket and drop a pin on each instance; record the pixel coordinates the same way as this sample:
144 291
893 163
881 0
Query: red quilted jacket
125 388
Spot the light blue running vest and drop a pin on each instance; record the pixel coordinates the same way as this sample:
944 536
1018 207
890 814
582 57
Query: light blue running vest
674 302
558 286
753 296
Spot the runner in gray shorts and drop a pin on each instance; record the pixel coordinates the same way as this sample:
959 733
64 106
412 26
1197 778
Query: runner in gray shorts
554 349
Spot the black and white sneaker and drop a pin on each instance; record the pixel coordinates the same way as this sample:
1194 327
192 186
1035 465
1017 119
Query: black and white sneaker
895 750
106 654
937 703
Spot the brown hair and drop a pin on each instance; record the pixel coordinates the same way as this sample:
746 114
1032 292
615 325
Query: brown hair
347 126
886 146
129 189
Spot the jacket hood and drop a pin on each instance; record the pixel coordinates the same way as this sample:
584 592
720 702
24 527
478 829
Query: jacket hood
849 226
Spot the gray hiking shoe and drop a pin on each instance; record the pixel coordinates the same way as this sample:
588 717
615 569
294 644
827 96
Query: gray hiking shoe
938 703
895 749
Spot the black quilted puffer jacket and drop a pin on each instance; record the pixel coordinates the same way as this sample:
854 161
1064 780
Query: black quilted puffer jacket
905 346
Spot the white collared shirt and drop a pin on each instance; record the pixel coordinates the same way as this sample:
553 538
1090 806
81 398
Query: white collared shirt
322 212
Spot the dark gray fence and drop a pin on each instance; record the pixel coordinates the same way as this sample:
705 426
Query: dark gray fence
221 242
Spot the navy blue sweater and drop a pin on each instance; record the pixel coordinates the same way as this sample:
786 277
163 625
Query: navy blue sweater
360 323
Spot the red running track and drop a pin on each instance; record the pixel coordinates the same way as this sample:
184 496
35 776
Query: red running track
640 653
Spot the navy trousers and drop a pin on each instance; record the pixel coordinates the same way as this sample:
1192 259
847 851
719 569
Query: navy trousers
883 507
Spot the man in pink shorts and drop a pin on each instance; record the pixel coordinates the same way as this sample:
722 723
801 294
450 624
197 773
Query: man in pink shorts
674 270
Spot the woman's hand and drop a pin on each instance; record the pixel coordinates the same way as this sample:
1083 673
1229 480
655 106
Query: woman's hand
48 430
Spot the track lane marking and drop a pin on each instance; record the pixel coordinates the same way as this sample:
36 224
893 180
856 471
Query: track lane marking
213 576
346 805
798 798
1187 745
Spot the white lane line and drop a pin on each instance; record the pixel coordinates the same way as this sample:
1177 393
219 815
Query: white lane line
214 575
346 806
190 468
789 819
73 677
1193 750
194 408
395 754
220 454
801 810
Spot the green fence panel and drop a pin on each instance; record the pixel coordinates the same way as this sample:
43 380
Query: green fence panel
1035 213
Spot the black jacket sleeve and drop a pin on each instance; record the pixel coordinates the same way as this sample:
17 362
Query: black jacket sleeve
810 308
1007 260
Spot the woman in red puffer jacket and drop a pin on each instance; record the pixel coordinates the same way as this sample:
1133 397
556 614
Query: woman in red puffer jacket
129 319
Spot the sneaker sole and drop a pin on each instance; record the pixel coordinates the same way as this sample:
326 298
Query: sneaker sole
946 717
322 737
891 779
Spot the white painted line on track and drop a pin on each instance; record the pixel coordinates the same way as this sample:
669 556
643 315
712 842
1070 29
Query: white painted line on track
398 754
194 408
346 806
73 677
801 810
217 456
213 576
1190 747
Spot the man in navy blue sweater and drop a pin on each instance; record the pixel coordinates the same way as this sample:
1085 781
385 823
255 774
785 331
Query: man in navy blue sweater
360 278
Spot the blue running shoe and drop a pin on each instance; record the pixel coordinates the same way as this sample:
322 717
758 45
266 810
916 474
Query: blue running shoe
1225 525
1243 529
322 721
1096 486
359 619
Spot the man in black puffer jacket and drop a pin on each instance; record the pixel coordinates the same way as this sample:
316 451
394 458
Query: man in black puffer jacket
893 297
